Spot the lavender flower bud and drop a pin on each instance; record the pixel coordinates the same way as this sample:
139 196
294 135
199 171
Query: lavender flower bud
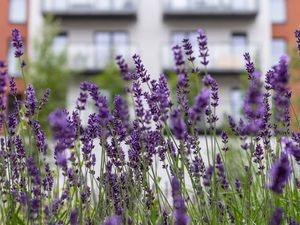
188 49
249 65
208 81
112 220
297 35
280 173
276 218
123 67
203 49
140 69
292 148
30 101
180 215
207 176
74 217
221 172
17 43
201 102
178 126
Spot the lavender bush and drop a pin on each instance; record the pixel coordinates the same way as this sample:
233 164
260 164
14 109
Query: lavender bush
112 170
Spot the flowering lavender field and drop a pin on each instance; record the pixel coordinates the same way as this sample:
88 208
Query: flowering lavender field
113 170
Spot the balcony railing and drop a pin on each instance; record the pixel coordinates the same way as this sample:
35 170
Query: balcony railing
210 8
88 57
223 57
90 8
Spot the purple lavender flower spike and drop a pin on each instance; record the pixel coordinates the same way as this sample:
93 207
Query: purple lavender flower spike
276 218
259 156
208 81
74 217
112 220
249 65
203 49
17 43
292 222
238 187
178 59
297 181
44 99
123 67
188 50
61 159
179 214
140 69
279 83
292 148
207 176
183 78
280 173
30 101
83 96
200 105
253 105
178 126
224 136
221 172
297 35
3 88
40 135
137 93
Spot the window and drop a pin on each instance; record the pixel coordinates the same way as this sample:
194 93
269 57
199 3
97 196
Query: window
239 43
17 11
279 48
13 63
60 43
278 11
109 44
236 103
179 4
178 36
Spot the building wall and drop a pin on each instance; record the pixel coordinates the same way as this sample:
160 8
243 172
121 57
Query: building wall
6 27
150 34
287 29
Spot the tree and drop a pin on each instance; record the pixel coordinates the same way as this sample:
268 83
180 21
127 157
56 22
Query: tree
48 69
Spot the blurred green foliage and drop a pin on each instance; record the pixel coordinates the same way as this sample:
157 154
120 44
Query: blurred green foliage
48 69
195 85
295 81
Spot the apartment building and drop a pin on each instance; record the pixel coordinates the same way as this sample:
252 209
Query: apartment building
284 23
93 31
13 14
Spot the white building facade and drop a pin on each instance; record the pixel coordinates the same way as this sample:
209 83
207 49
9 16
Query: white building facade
93 31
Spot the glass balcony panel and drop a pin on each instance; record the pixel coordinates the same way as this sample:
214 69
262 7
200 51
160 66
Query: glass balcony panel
222 56
95 57
121 4
103 55
179 4
103 4
80 56
71 6
216 5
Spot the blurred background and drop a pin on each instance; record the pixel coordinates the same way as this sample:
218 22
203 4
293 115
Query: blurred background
68 41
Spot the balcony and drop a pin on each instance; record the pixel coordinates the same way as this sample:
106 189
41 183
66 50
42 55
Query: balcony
210 9
224 58
105 9
89 58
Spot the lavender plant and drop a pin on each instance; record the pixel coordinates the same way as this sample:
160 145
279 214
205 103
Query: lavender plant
153 166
